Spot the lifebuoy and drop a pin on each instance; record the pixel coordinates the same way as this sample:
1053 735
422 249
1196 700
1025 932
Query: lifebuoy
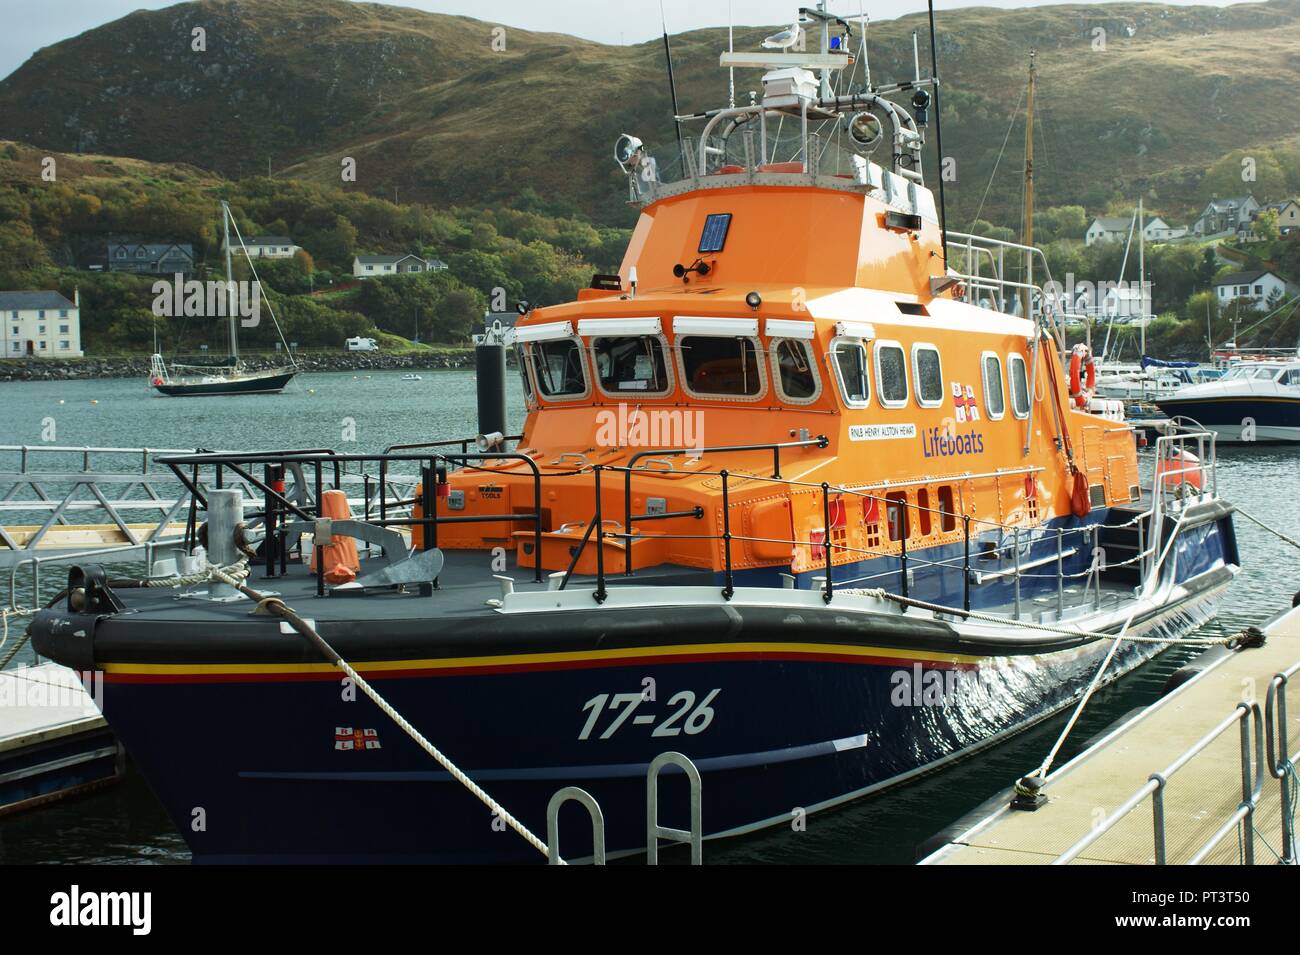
1083 375
1181 467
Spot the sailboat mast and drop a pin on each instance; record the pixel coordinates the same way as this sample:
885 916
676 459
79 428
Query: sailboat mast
1142 279
231 299
1028 232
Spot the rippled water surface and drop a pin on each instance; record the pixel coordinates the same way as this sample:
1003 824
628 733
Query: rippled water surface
126 824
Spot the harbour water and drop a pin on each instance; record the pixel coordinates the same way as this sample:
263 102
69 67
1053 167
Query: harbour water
368 412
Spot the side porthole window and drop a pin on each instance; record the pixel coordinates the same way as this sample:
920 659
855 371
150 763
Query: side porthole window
891 374
994 398
851 368
927 371
1019 386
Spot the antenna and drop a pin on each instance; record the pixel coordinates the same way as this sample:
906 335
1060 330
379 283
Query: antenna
731 48
672 85
938 135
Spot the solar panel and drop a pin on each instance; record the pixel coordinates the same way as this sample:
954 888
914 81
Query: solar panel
714 236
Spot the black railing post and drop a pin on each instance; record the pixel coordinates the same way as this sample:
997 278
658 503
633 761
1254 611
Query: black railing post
627 520
383 490
537 522
268 521
316 555
902 539
826 517
600 593
729 590
965 572
776 461
439 472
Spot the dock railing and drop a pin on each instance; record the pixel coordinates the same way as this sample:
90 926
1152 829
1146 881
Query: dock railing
1282 763
1249 723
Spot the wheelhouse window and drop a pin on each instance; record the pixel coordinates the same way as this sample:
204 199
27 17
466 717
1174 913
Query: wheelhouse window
891 374
721 367
631 365
851 369
521 358
995 402
558 368
1019 386
793 370
927 371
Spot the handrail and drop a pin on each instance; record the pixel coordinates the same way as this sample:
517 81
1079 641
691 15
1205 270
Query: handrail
1252 786
430 519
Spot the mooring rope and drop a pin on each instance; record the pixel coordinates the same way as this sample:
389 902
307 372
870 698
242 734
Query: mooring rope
1271 530
277 607
4 633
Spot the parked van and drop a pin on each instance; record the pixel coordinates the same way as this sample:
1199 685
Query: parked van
362 344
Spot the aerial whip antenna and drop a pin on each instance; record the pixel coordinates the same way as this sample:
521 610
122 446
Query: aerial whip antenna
938 137
672 85
731 48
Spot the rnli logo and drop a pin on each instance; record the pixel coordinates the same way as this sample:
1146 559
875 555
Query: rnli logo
348 738
963 399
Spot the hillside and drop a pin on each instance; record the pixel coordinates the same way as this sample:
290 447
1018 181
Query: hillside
428 109
51 231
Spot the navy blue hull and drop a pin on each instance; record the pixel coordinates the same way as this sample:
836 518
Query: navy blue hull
1271 419
254 765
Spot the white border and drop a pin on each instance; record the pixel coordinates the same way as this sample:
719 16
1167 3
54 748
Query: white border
916 375
839 378
776 370
1002 385
875 361
759 363
1011 391
669 369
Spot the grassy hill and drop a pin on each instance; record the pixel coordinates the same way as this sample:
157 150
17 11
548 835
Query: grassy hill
426 107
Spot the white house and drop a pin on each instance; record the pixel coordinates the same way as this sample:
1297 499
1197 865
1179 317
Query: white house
1157 229
41 324
1105 229
271 247
371 266
1262 286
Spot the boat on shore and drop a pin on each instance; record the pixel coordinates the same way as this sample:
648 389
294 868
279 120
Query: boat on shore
787 507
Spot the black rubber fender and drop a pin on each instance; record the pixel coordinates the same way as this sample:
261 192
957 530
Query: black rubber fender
65 637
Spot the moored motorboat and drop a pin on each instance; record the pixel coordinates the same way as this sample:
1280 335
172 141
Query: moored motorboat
1254 401
785 503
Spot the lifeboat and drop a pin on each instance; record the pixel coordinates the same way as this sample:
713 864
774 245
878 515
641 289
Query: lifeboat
794 499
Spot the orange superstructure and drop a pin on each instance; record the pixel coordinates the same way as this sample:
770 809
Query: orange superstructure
814 318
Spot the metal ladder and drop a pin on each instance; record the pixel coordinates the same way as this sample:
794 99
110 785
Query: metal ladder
654 831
